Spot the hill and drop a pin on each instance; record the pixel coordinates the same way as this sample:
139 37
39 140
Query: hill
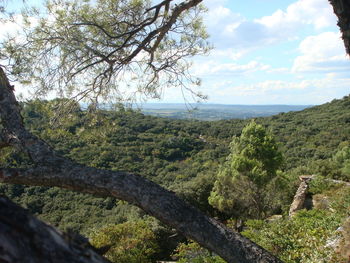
182 155
211 112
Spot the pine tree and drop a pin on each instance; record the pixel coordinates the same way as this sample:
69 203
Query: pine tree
244 182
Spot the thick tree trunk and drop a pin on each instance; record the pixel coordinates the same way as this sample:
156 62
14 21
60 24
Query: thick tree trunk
53 170
342 10
23 238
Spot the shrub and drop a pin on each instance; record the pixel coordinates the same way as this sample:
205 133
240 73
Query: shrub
130 242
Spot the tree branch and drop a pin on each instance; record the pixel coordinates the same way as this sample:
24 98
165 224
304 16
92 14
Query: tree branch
71 47
26 239
54 170
341 9
147 195
161 32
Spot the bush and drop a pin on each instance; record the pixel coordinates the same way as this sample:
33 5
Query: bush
130 242
194 253
300 239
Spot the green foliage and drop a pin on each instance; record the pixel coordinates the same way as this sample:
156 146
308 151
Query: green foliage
247 177
304 237
300 239
340 200
312 134
10 157
254 150
342 159
70 210
193 253
197 191
100 50
122 140
129 140
320 185
343 249
130 242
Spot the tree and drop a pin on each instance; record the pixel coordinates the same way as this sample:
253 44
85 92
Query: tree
342 10
51 169
243 182
139 41
342 159
108 50
26 239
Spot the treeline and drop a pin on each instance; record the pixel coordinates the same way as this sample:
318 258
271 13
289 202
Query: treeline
183 155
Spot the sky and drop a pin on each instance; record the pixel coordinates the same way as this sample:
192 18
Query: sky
271 52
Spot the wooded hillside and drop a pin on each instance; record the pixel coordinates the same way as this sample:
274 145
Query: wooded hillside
182 155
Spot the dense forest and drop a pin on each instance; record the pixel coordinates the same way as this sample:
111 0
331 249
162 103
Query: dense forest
186 156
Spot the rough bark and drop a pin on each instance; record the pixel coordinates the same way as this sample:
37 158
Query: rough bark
23 238
342 10
53 170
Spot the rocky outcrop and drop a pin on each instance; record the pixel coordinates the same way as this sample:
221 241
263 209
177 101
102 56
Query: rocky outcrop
320 201
301 195
343 249
340 243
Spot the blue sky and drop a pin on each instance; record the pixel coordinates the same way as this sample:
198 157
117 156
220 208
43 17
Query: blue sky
271 52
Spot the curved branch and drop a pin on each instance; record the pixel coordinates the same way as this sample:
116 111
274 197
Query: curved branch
54 170
160 33
152 198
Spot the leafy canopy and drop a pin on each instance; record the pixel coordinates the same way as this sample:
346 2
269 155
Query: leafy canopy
107 50
245 178
342 158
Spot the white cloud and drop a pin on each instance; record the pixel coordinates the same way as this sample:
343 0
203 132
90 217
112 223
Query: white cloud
282 25
213 68
214 3
227 53
10 27
313 91
217 14
323 53
14 27
314 12
278 70
218 20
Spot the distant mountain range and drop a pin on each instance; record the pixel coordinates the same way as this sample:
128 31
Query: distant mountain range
215 111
